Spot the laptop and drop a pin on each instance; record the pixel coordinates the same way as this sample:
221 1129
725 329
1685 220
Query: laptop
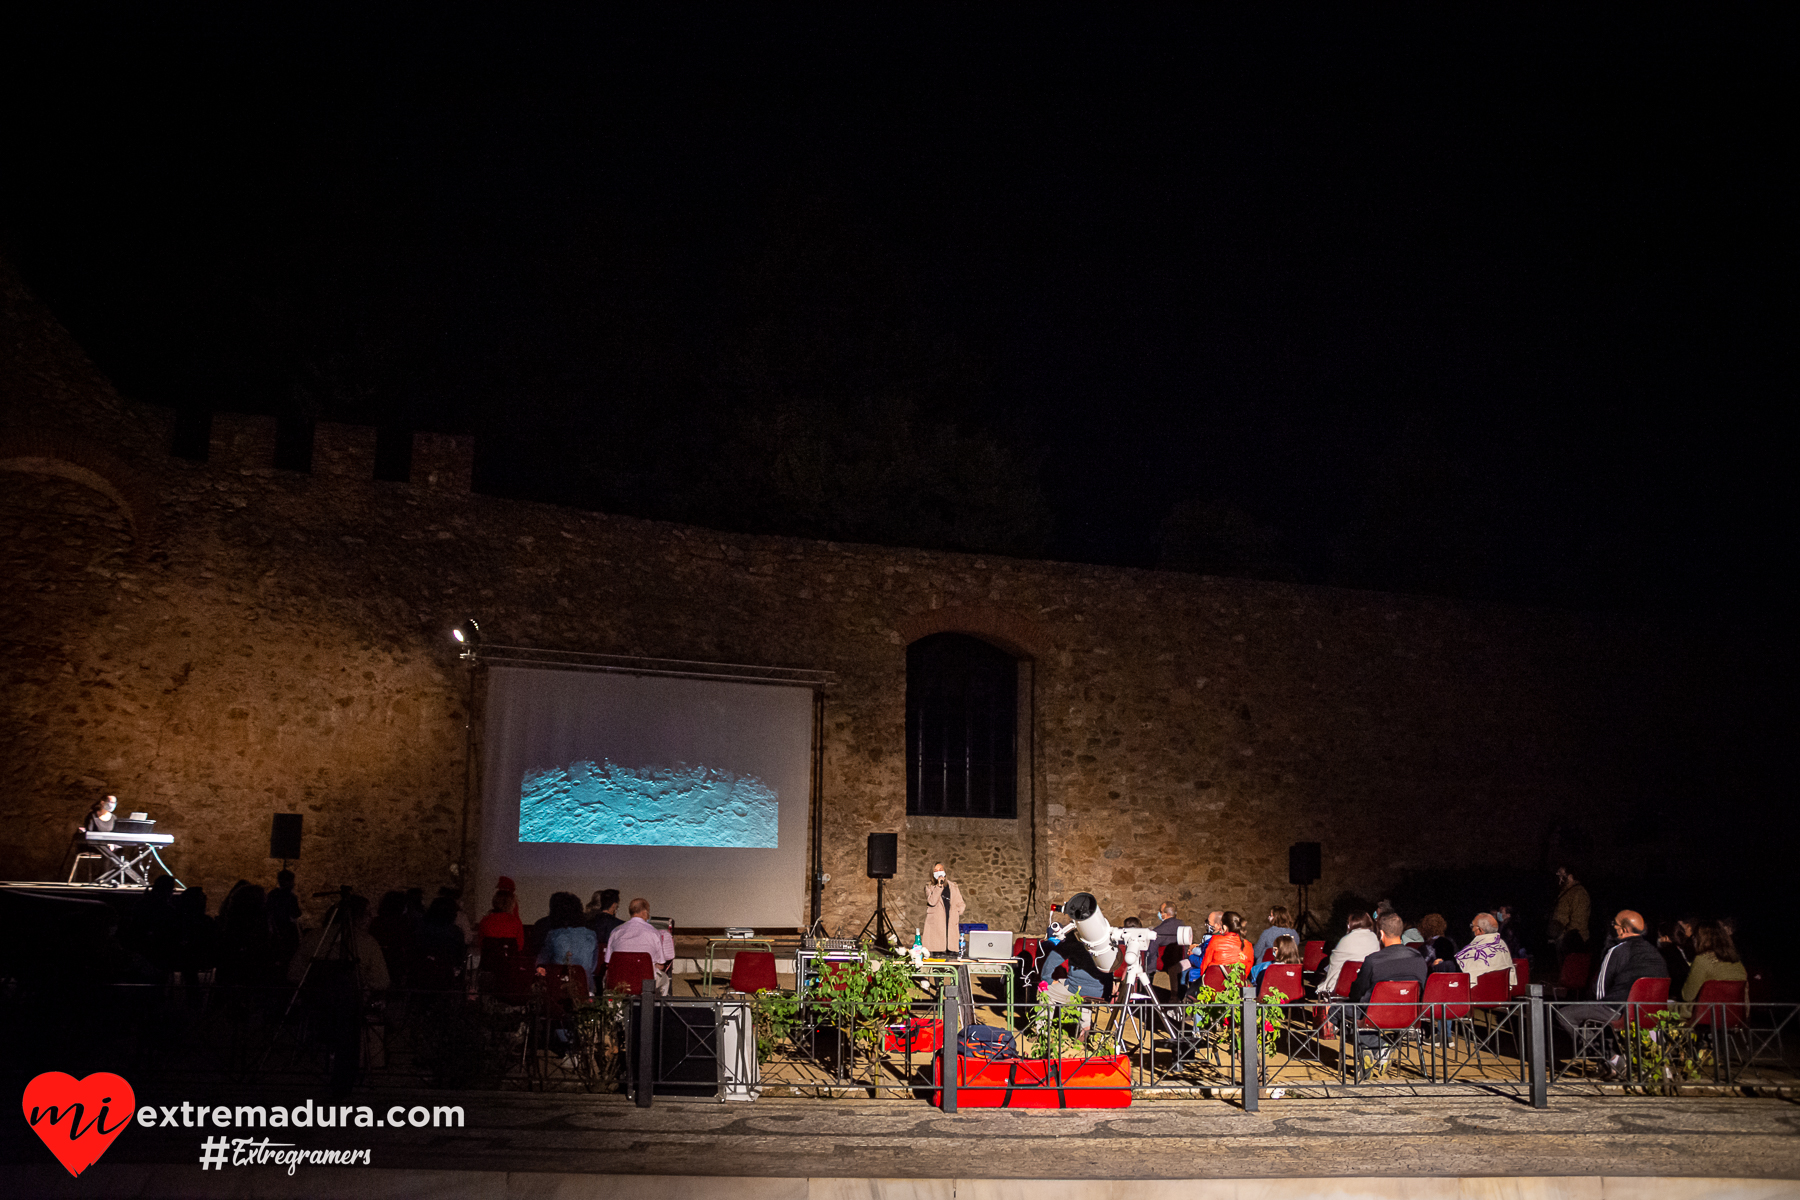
990 943
135 823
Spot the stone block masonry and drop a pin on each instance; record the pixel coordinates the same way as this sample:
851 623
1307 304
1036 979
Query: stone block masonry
278 642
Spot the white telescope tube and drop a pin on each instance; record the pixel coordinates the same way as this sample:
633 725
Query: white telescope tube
1092 929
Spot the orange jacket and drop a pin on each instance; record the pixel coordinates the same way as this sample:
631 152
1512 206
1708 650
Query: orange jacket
1225 951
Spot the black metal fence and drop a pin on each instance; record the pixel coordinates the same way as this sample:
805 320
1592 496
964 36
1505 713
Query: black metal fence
734 1047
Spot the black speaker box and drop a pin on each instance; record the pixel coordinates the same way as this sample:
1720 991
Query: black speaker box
284 836
1303 863
884 855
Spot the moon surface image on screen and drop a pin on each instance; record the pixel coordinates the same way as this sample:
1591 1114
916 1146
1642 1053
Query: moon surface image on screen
679 805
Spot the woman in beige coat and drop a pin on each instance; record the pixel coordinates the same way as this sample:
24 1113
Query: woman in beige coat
943 911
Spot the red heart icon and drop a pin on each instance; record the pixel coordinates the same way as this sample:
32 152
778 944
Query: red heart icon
78 1118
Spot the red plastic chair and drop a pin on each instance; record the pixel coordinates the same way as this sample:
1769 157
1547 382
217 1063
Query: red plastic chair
1393 1009
1346 977
1393 1005
1722 1004
1282 979
1214 978
513 982
1646 998
1490 990
563 985
1448 995
628 971
1311 955
1574 975
1269 954
497 952
753 971
1521 989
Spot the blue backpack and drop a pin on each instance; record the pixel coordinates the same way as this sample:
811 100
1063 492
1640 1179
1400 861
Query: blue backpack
987 1042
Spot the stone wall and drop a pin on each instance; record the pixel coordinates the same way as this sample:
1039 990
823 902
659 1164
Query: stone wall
277 641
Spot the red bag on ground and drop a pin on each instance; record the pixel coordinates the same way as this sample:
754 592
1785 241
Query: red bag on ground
923 1034
1103 1082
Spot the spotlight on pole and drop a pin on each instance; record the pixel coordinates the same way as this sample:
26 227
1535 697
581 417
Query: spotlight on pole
468 635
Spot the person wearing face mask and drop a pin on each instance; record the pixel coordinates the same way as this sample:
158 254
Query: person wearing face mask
943 912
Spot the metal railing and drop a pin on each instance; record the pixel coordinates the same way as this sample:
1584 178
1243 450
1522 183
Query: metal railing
725 1046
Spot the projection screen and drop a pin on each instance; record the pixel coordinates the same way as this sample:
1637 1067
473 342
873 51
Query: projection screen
690 792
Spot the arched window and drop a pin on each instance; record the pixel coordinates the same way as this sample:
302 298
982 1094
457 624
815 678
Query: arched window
962 713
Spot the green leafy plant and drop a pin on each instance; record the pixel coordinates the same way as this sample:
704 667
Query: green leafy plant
775 1016
1210 1008
1054 1027
1665 1052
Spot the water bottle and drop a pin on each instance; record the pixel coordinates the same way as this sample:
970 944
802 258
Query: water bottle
918 938
962 945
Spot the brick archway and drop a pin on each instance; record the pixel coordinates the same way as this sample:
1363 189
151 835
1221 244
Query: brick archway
38 452
1013 632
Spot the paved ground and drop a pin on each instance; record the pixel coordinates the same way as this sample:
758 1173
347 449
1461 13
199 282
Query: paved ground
1460 1136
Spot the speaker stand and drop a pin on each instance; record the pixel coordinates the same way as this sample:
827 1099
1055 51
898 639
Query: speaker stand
1303 922
878 920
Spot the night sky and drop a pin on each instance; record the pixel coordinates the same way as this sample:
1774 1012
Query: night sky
1494 304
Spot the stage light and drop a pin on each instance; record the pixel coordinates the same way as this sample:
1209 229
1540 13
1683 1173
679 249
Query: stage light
468 635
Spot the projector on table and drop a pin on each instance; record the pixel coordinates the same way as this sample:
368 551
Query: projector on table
738 933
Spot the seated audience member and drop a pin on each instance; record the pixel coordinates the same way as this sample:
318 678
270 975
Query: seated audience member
1410 937
196 936
1062 949
1281 924
1356 945
603 914
1437 947
1393 962
392 931
1715 957
503 920
638 936
1509 931
1486 951
1227 948
570 942
1167 923
1287 950
1628 959
284 918
463 925
244 957
438 947
1675 955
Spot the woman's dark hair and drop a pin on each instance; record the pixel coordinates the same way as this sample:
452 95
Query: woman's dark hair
1432 926
1232 922
1279 915
393 904
1132 923
1710 937
441 912
565 910
1287 950
1360 920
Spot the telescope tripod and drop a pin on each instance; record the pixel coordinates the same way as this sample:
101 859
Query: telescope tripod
1140 1012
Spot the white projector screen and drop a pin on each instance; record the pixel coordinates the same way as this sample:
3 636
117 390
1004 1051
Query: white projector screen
690 792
